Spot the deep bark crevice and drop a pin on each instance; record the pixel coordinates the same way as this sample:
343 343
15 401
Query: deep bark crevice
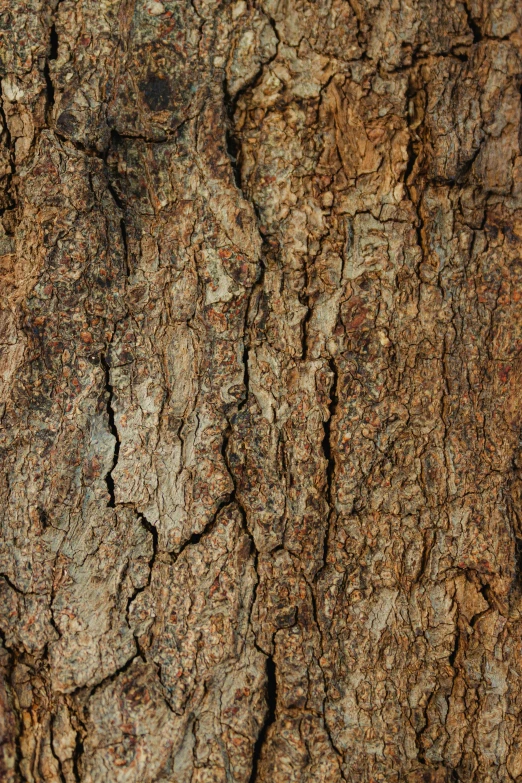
51 56
271 699
77 757
329 452
10 197
113 430
473 25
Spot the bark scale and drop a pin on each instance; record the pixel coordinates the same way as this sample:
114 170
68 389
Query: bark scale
260 361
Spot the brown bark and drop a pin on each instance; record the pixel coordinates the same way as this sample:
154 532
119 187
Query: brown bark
260 359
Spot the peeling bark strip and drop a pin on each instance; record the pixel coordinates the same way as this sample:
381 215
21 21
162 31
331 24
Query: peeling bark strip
260 391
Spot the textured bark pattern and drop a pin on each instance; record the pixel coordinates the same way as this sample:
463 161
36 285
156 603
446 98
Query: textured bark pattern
260 367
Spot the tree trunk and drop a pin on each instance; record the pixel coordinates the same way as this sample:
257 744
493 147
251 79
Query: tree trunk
260 396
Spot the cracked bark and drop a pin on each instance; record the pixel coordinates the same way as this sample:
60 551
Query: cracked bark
259 369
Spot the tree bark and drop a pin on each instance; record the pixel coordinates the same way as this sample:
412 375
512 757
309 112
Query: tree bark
260 366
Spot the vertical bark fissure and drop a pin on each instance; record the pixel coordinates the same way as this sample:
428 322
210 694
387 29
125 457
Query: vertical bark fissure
271 697
234 152
270 686
329 452
472 24
12 168
53 54
113 430
79 749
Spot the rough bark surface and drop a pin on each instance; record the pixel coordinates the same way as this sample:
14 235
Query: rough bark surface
260 367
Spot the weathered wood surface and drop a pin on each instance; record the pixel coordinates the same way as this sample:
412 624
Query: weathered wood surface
260 367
